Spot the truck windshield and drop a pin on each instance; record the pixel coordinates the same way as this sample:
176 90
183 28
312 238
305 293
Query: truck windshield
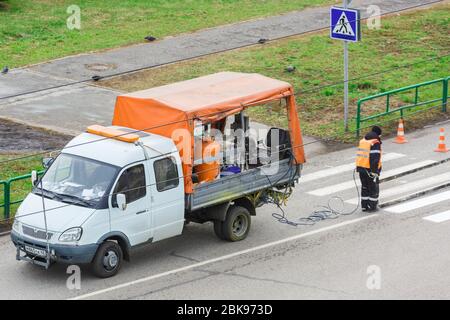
77 180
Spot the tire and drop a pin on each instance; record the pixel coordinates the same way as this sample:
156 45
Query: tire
237 224
218 229
108 260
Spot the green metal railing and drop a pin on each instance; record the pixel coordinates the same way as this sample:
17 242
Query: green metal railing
7 202
401 110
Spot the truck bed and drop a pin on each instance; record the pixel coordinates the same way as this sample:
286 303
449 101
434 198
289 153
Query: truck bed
238 185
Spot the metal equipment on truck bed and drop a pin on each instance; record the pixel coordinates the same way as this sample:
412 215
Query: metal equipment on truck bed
241 185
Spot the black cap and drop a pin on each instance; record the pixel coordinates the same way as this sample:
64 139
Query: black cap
377 130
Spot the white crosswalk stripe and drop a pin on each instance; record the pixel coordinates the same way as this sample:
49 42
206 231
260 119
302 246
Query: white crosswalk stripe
343 168
410 186
350 184
419 203
439 217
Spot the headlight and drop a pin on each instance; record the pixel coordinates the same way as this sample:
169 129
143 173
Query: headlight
71 235
16 226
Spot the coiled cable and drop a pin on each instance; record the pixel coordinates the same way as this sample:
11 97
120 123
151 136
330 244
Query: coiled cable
325 212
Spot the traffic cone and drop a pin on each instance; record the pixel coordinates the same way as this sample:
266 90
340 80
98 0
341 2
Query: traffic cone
400 133
441 147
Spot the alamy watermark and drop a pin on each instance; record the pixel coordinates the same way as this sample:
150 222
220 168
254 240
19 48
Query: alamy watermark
374 17
373 281
73 22
73 282
261 148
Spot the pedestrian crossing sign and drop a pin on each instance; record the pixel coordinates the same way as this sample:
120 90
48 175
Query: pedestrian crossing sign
345 24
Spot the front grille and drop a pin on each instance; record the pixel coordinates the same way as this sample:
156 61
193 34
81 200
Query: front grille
36 233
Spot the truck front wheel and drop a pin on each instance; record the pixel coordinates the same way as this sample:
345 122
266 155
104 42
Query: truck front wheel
107 260
237 224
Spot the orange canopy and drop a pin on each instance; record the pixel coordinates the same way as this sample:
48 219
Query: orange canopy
165 109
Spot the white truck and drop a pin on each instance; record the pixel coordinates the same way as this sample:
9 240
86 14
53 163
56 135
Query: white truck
114 188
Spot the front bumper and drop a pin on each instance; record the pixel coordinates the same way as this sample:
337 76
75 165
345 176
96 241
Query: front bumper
70 254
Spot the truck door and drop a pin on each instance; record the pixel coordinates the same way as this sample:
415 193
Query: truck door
167 190
135 220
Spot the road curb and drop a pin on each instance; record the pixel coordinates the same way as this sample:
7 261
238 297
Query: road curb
431 165
414 195
5 229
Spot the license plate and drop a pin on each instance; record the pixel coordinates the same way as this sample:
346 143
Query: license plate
36 252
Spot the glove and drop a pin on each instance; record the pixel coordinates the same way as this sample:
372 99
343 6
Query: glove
374 176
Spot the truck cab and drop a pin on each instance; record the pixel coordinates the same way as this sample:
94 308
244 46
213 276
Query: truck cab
101 199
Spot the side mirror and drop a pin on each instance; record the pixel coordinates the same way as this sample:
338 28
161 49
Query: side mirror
47 162
121 201
34 177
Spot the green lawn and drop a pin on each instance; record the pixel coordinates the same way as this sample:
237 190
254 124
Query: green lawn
35 30
20 188
403 39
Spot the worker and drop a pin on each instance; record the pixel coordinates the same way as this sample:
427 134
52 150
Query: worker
368 165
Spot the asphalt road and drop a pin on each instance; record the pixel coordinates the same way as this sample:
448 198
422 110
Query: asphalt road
394 253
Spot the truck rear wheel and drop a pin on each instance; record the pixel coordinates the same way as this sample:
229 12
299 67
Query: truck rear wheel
218 225
237 224
107 260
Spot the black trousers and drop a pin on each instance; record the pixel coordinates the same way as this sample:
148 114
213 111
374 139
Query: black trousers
370 190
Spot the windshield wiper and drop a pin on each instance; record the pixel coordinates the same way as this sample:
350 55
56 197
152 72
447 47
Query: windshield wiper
46 193
73 199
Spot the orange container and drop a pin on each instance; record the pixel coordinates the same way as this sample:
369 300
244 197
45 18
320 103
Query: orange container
210 168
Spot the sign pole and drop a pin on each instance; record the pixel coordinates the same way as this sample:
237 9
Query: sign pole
346 3
345 26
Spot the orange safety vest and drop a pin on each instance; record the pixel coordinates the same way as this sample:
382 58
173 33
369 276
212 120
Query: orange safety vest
363 154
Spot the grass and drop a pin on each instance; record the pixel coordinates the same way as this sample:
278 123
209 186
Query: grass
403 39
36 31
20 188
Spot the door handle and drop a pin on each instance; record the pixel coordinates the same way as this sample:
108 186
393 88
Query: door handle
142 211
